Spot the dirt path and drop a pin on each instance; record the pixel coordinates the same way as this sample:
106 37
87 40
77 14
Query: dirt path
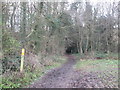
67 77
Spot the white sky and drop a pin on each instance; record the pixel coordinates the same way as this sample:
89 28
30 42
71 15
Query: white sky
93 1
104 0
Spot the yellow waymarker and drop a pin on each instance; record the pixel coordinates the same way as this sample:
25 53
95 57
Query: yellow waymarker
23 51
22 59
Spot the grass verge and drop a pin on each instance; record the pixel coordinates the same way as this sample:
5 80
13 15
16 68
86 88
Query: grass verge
17 80
105 69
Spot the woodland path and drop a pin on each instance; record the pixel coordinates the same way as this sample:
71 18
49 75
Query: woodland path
66 77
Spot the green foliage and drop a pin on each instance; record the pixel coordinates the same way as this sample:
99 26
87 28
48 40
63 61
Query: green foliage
15 80
11 47
11 64
10 44
53 22
8 83
65 19
106 55
0 19
101 55
102 64
59 59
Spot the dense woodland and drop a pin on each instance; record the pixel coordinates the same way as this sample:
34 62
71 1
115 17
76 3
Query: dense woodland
55 28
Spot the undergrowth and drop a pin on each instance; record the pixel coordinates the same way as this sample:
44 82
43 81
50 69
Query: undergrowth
19 80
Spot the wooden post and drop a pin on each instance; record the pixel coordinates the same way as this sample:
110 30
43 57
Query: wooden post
23 34
22 60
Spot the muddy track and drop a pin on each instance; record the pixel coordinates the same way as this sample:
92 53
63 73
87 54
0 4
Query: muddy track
67 77
58 77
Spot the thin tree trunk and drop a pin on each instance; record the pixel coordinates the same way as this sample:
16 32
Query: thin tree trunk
87 43
81 50
12 16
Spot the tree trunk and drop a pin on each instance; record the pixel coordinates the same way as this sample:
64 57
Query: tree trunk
23 24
